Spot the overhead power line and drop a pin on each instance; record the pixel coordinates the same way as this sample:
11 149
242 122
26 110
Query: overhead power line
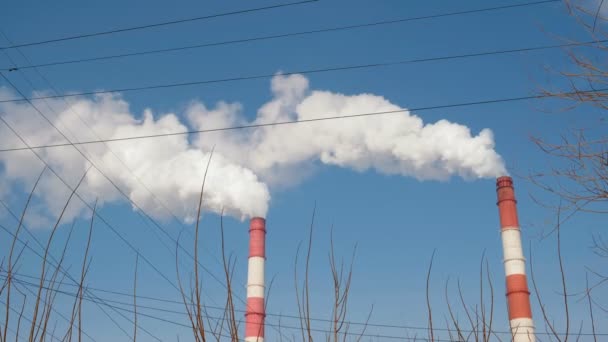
159 24
25 285
86 294
274 36
301 72
16 276
171 311
293 122
27 319
162 319
44 302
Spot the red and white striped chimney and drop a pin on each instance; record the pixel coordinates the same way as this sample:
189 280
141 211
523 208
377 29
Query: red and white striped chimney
255 313
518 295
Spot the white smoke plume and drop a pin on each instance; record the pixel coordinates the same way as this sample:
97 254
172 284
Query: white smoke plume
393 144
245 162
170 168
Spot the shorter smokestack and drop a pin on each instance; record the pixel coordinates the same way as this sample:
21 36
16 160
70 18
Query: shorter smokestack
518 295
256 312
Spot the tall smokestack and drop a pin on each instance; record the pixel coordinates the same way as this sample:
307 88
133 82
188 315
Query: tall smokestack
518 295
255 313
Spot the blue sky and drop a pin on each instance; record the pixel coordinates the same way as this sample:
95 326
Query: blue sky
396 222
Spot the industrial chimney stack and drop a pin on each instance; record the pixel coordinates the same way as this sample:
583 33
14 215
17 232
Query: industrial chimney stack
518 295
256 312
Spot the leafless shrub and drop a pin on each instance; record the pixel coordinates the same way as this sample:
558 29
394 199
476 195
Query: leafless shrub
341 280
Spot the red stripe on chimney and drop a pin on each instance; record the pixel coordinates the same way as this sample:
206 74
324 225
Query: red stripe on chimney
518 297
254 318
257 232
507 205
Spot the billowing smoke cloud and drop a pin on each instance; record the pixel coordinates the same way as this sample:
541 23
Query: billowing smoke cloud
245 162
393 144
170 168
